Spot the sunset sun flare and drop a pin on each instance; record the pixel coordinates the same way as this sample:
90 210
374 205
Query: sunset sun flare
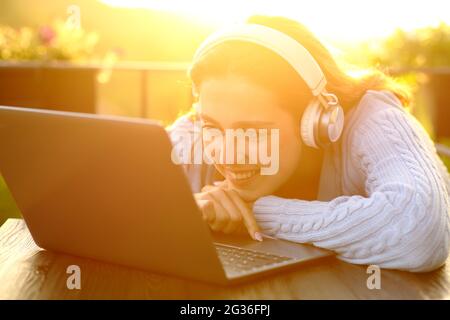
329 19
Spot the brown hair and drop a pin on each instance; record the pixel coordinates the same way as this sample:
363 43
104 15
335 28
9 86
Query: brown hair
266 68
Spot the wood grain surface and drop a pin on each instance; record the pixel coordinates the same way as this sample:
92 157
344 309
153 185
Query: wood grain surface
28 272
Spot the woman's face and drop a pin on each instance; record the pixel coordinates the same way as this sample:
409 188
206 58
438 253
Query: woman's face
233 102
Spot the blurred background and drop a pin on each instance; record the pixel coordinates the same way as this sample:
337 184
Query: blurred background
129 57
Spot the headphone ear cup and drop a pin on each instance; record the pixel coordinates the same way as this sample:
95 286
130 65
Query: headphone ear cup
307 124
336 124
331 124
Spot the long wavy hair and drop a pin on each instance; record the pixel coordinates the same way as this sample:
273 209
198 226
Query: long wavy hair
265 68
269 70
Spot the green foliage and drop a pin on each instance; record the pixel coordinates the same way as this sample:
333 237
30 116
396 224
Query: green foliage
400 54
446 160
424 47
59 41
8 208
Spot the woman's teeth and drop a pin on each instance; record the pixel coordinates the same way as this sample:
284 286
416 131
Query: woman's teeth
243 174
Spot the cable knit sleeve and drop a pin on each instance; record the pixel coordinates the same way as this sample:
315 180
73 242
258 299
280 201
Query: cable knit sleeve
401 223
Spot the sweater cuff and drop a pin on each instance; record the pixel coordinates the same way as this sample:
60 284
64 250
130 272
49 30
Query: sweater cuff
277 215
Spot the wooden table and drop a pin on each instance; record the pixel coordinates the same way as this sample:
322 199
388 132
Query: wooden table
28 272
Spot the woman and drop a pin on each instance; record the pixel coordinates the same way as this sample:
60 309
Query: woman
378 195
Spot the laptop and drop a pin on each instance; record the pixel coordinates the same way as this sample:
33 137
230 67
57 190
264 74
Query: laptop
105 188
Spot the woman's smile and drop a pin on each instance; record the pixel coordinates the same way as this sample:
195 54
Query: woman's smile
241 177
249 86
236 103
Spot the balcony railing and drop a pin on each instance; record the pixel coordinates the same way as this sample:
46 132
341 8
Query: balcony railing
145 69
148 71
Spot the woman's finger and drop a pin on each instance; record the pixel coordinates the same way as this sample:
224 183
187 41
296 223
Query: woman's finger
206 204
233 213
247 215
217 184
207 209
221 217
208 188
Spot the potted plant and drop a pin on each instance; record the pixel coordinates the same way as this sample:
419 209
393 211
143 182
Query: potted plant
48 67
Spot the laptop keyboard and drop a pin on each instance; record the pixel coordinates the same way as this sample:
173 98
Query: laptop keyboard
238 260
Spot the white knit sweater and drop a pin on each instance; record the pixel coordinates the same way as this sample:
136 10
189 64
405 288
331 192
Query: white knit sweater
383 195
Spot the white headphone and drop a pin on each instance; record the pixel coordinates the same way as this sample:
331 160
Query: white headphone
323 119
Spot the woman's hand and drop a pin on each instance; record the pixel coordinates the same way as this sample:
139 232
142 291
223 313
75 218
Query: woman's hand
225 211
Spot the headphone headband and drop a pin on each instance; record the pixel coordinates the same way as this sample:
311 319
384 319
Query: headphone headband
285 46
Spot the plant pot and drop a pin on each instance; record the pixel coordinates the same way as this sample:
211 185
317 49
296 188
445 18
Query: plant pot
67 88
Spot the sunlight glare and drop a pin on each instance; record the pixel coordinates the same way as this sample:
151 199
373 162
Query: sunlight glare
344 20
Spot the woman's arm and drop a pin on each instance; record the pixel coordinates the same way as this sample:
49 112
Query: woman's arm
403 222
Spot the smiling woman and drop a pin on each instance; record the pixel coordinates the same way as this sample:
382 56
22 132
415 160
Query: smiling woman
378 193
